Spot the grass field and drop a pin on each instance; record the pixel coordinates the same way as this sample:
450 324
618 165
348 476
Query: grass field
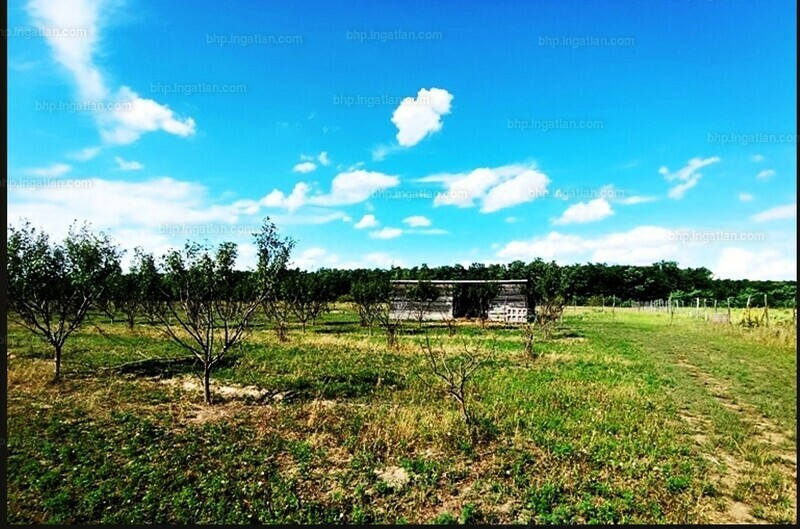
629 417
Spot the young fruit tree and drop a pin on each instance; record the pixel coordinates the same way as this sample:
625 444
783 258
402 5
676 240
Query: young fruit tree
208 304
455 372
307 295
144 289
422 296
51 287
370 297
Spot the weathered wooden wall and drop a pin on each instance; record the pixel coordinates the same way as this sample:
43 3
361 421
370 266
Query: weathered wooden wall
510 305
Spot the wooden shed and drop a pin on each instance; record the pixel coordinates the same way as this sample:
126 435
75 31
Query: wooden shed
508 303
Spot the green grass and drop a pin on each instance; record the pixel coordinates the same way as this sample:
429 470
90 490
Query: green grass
629 417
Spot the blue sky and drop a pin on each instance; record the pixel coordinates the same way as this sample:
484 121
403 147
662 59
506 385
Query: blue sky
409 132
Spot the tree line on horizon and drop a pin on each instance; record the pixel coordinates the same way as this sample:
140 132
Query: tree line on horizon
206 305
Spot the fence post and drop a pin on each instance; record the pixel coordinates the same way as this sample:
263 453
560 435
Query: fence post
766 311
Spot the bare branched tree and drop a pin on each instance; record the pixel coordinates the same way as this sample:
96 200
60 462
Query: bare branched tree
455 372
528 334
391 323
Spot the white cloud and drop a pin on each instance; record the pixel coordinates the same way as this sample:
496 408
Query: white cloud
367 221
304 167
418 117
354 187
687 176
766 174
584 212
788 211
386 233
768 258
417 221
310 258
323 158
74 53
496 188
640 246
51 171
745 197
516 190
156 214
738 263
132 116
757 158
636 199
123 165
122 118
679 190
382 151
296 199
511 220
85 154
311 218
116 203
348 188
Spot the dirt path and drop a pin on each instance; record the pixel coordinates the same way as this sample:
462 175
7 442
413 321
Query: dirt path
730 469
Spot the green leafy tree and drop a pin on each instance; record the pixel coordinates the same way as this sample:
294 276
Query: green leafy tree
208 305
422 296
51 287
370 297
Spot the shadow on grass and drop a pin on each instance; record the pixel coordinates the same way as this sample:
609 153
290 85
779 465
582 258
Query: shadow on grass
340 386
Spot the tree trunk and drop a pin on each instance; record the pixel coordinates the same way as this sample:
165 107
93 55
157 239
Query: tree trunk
207 384
57 358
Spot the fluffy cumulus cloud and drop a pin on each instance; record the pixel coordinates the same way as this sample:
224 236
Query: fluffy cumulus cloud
584 212
352 187
738 263
130 116
786 212
294 200
770 258
416 118
311 258
640 246
494 188
687 177
156 214
51 171
122 116
367 221
115 204
417 221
